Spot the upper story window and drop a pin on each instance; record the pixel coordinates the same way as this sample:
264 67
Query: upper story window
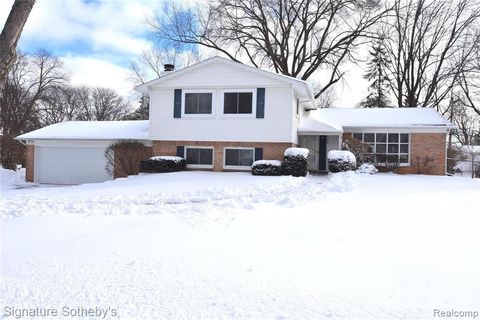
238 102
198 102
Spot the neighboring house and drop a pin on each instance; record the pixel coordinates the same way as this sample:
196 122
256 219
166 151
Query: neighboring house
222 115
470 166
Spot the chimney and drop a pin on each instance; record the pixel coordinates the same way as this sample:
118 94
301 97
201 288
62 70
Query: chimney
168 67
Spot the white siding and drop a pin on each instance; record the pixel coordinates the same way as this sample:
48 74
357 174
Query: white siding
275 127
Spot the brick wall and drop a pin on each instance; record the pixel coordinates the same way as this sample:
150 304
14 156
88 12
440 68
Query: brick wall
424 145
30 163
271 150
427 145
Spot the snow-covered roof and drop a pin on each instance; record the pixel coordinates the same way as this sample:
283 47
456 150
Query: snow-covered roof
381 117
471 149
309 125
91 130
298 84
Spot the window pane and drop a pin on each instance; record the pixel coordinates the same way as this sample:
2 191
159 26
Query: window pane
393 137
404 138
381 158
206 156
190 103
404 148
371 147
357 136
230 102
204 103
404 158
381 137
245 102
245 158
192 156
369 137
392 158
393 148
231 157
381 148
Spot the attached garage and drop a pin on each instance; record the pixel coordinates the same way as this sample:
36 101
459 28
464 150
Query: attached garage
73 152
70 165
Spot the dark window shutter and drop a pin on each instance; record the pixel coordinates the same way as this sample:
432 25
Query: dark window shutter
258 154
260 103
181 151
177 104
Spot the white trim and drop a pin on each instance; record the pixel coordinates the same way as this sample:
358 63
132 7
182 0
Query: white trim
199 166
198 115
35 163
237 167
221 107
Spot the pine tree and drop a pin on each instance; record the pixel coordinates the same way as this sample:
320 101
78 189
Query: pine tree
141 113
377 75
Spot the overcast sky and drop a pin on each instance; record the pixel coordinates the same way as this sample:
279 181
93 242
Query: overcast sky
96 39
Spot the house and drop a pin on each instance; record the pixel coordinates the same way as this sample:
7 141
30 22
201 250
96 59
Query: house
222 115
470 166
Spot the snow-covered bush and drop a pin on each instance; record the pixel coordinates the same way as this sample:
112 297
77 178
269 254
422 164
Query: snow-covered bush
267 168
295 162
367 168
164 164
341 160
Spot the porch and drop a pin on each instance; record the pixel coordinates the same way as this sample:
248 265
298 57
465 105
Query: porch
319 138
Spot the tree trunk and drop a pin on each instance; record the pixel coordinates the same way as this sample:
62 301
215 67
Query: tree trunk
11 33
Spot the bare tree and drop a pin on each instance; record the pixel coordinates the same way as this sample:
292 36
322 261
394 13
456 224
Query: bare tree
430 42
101 104
469 82
465 119
294 37
150 64
328 100
29 82
11 33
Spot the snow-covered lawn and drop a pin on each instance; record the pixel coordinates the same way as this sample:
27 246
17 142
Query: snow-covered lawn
231 245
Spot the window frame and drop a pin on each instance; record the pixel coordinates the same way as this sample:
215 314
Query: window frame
386 143
198 115
225 166
221 110
199 166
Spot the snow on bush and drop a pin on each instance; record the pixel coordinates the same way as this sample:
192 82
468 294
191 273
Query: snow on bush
267 168
367 168
172 158
341 160
163 164
303 152
295 162
11 178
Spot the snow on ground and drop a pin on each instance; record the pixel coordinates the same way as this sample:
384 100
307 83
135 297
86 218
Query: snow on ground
231 245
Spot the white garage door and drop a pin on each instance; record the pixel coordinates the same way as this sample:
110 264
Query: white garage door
66 165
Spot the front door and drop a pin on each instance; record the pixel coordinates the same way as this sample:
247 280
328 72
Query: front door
322 153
